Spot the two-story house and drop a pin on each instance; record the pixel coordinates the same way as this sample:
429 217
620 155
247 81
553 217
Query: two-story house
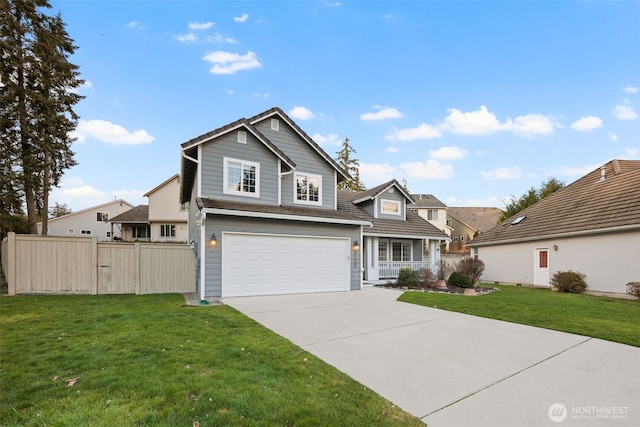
266 217
433 210
167 217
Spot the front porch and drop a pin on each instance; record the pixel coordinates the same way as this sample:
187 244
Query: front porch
385 257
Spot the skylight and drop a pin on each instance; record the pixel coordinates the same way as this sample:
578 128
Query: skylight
518 220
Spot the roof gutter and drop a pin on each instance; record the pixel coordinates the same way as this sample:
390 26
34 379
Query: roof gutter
405 236
558 235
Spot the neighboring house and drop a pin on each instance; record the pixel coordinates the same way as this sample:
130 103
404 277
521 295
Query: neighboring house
434 211
90 222
134 224
167 216
266 216
591 226
467 222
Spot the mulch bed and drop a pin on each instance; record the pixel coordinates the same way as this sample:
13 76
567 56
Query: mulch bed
480 290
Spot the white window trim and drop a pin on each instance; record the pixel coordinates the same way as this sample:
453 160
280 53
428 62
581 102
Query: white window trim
225 183
295 189
242 137
395 202
275 124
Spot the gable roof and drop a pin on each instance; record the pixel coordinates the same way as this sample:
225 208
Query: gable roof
162 185
427 201
414 227
278 111
606 199
137 215
89 209
374 192
480 219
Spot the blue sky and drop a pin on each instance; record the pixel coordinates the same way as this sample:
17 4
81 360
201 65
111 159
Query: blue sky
473 102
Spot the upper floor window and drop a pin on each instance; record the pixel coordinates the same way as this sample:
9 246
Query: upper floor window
308 189
275 124
391 207
449 222
241 177
432 214
167 230
102 216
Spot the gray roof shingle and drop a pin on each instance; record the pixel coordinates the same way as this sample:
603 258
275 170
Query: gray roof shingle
137 215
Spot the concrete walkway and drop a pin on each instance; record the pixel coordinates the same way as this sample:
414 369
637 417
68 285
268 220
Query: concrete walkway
451 369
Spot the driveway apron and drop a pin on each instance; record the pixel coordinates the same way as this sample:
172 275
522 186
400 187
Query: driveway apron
452 369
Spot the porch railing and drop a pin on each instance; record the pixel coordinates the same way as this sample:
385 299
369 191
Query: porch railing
391 269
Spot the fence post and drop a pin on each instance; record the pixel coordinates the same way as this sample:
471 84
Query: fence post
136 267
94 266
10 274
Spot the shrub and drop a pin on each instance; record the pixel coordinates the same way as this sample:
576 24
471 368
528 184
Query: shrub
428 278
459 279
569 281
408 278
633 288
472 268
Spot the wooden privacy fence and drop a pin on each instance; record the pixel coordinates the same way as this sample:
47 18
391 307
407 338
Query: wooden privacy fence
81 265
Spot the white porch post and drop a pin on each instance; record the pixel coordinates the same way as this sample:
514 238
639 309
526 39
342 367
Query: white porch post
373 267
434 253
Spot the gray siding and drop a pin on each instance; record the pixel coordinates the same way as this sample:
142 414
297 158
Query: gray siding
307 160
212 162
396 196
217 224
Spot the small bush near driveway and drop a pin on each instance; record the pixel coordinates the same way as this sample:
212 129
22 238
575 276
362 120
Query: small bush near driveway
633 288
127 360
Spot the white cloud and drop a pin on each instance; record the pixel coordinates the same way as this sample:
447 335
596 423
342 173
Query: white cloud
229 91
624 112
392 150
261 95
631 153
133 24
185 38
613 137
432 169
489 201
229 63
502 173
576 171
135 197
448 153
87 85
242 18
385 113
630 89
423 131
200 25
331 139
374 174
106 131
531 124
332 3
301 113
221 38
480 122
587 123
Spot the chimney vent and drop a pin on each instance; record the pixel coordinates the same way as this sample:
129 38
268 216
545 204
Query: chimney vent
603 174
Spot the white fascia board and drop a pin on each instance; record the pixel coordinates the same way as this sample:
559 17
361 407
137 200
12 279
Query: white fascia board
558 235
249 214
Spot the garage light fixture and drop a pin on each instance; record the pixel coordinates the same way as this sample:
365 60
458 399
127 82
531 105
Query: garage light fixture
214 239
356 245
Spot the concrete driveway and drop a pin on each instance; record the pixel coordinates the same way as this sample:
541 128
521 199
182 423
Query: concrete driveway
451 369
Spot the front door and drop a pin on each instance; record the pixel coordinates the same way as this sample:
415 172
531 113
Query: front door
541 267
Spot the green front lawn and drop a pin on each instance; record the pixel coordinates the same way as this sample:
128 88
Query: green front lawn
150 360
610 319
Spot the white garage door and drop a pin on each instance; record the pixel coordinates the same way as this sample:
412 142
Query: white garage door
272 264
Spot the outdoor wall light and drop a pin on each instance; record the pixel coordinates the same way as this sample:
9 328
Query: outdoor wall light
214 239
356 245
555 247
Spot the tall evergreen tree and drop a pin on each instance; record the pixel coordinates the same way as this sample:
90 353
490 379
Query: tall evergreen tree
352 166
37 99
530 197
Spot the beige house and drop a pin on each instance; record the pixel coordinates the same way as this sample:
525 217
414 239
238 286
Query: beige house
591 226
468 222
90 222
434 211
167 216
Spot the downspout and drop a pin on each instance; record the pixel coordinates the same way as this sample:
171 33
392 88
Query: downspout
282 175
